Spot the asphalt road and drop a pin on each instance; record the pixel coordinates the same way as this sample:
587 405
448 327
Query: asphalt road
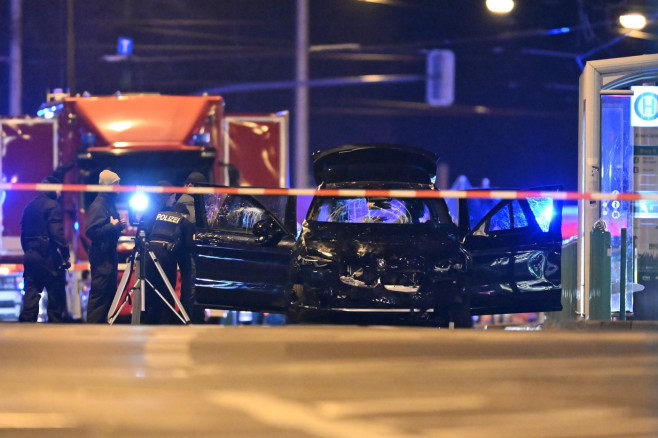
325 381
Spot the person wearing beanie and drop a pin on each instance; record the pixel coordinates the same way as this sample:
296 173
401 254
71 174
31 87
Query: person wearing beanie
108 178
193 179
45 256
103 228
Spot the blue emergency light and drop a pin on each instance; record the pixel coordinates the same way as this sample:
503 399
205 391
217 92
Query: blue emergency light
139 202
125 46
137 205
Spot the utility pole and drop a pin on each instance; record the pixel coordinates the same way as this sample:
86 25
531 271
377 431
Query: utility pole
16 58
301 97
70 48
126 83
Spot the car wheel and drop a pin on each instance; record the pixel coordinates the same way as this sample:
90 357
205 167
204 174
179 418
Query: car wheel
198 315
460 312
441 316
453 306
294 315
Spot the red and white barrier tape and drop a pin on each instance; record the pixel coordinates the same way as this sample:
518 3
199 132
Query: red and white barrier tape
12 268
497 194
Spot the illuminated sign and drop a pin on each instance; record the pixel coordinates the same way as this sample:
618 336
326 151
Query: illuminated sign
125 46
644 106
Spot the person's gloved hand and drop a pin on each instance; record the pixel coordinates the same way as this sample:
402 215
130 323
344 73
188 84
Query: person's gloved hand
66 265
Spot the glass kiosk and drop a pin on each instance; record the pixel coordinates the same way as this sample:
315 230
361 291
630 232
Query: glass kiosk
618 153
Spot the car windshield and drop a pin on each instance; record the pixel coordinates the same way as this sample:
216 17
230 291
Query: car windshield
380 210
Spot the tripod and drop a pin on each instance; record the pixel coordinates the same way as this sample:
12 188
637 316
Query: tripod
136 260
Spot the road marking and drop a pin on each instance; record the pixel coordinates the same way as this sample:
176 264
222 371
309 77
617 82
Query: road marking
326 419
40 420
400 405
170 349
588 421
284 414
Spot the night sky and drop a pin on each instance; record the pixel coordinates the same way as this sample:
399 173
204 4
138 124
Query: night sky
515 115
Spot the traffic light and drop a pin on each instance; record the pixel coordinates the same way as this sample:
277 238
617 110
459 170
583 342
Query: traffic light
440 80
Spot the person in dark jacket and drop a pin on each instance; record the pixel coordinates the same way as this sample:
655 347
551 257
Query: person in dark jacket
171 240
103 228
46 256
193 179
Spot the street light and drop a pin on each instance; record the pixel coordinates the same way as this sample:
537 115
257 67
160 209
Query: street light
633 21
500 6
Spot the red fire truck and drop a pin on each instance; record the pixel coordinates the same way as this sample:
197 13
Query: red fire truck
145 138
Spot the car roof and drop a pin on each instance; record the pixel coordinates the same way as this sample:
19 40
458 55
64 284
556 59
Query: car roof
374 162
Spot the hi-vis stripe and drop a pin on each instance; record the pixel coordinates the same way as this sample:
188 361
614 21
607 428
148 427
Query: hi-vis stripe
497 194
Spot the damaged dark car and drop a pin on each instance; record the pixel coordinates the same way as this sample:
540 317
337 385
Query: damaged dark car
384 258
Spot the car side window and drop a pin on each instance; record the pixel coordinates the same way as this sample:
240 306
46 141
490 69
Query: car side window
212 202
519 218
478 208
500 220
237 214
542 209
511 216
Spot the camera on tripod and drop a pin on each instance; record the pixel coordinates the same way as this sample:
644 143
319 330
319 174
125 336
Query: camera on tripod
138 205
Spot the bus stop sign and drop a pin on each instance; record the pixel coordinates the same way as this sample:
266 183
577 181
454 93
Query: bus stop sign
644 106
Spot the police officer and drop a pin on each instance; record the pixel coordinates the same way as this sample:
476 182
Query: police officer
171 240
193 179
157 202
103 228
46 256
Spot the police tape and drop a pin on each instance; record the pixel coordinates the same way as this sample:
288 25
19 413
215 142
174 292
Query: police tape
15 268
397 193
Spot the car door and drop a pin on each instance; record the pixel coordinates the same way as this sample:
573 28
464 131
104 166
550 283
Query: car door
242 252
515 252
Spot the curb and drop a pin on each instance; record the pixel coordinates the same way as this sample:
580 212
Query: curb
608 325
